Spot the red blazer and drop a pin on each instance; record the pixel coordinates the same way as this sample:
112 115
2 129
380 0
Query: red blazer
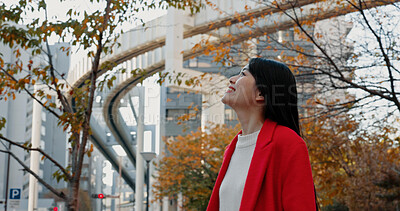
279 176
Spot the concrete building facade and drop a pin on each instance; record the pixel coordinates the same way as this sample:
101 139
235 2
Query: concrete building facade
18 128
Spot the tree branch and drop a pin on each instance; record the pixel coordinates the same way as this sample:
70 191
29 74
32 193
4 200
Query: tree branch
26 168
60 96
31 95
95 68
41 152
385 56
297 22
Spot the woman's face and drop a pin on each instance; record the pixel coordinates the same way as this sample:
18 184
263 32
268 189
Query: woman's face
242 91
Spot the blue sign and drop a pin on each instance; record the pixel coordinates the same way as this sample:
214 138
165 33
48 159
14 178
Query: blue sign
15 193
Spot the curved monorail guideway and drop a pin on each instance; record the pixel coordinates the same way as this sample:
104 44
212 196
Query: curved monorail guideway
145 48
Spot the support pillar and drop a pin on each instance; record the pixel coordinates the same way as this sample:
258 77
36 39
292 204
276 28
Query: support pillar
173 62
34 160
174 41
139 148
213 111
99 180
180 202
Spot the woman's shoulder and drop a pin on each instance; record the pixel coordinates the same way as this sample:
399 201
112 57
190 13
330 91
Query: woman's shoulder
284 135
287 143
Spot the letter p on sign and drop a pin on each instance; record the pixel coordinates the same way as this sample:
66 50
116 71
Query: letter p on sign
15 193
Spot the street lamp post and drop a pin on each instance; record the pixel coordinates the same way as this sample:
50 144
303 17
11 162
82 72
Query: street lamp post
148 156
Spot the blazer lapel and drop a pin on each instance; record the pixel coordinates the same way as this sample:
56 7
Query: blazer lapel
258 166
214 200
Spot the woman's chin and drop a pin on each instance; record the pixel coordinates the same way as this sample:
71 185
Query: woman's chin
225 100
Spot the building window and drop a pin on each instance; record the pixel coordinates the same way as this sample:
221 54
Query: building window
193 62
43 130
43 116
25 186
285 36
193 115
42 145
230 114
98 99
174 114
40 188
173 90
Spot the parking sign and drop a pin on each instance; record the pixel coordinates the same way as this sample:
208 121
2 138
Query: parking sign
15 193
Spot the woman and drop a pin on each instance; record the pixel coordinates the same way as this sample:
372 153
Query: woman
266 166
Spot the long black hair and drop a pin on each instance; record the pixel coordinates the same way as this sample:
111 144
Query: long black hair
277 84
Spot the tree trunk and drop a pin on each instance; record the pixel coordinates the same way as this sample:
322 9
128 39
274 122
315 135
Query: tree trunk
73 199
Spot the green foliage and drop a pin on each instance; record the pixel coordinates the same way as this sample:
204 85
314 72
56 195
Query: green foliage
2 123
27 144
59 175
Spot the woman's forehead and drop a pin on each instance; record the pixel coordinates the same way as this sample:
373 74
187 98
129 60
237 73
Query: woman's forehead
245 68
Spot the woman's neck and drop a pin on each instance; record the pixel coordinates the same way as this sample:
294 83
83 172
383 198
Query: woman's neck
250 121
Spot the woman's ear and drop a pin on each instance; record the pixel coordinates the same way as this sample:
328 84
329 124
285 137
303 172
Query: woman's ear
259 97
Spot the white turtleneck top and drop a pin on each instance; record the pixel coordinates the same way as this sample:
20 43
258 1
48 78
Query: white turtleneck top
231 190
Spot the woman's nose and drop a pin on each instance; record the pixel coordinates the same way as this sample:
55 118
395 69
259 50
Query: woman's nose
232 80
